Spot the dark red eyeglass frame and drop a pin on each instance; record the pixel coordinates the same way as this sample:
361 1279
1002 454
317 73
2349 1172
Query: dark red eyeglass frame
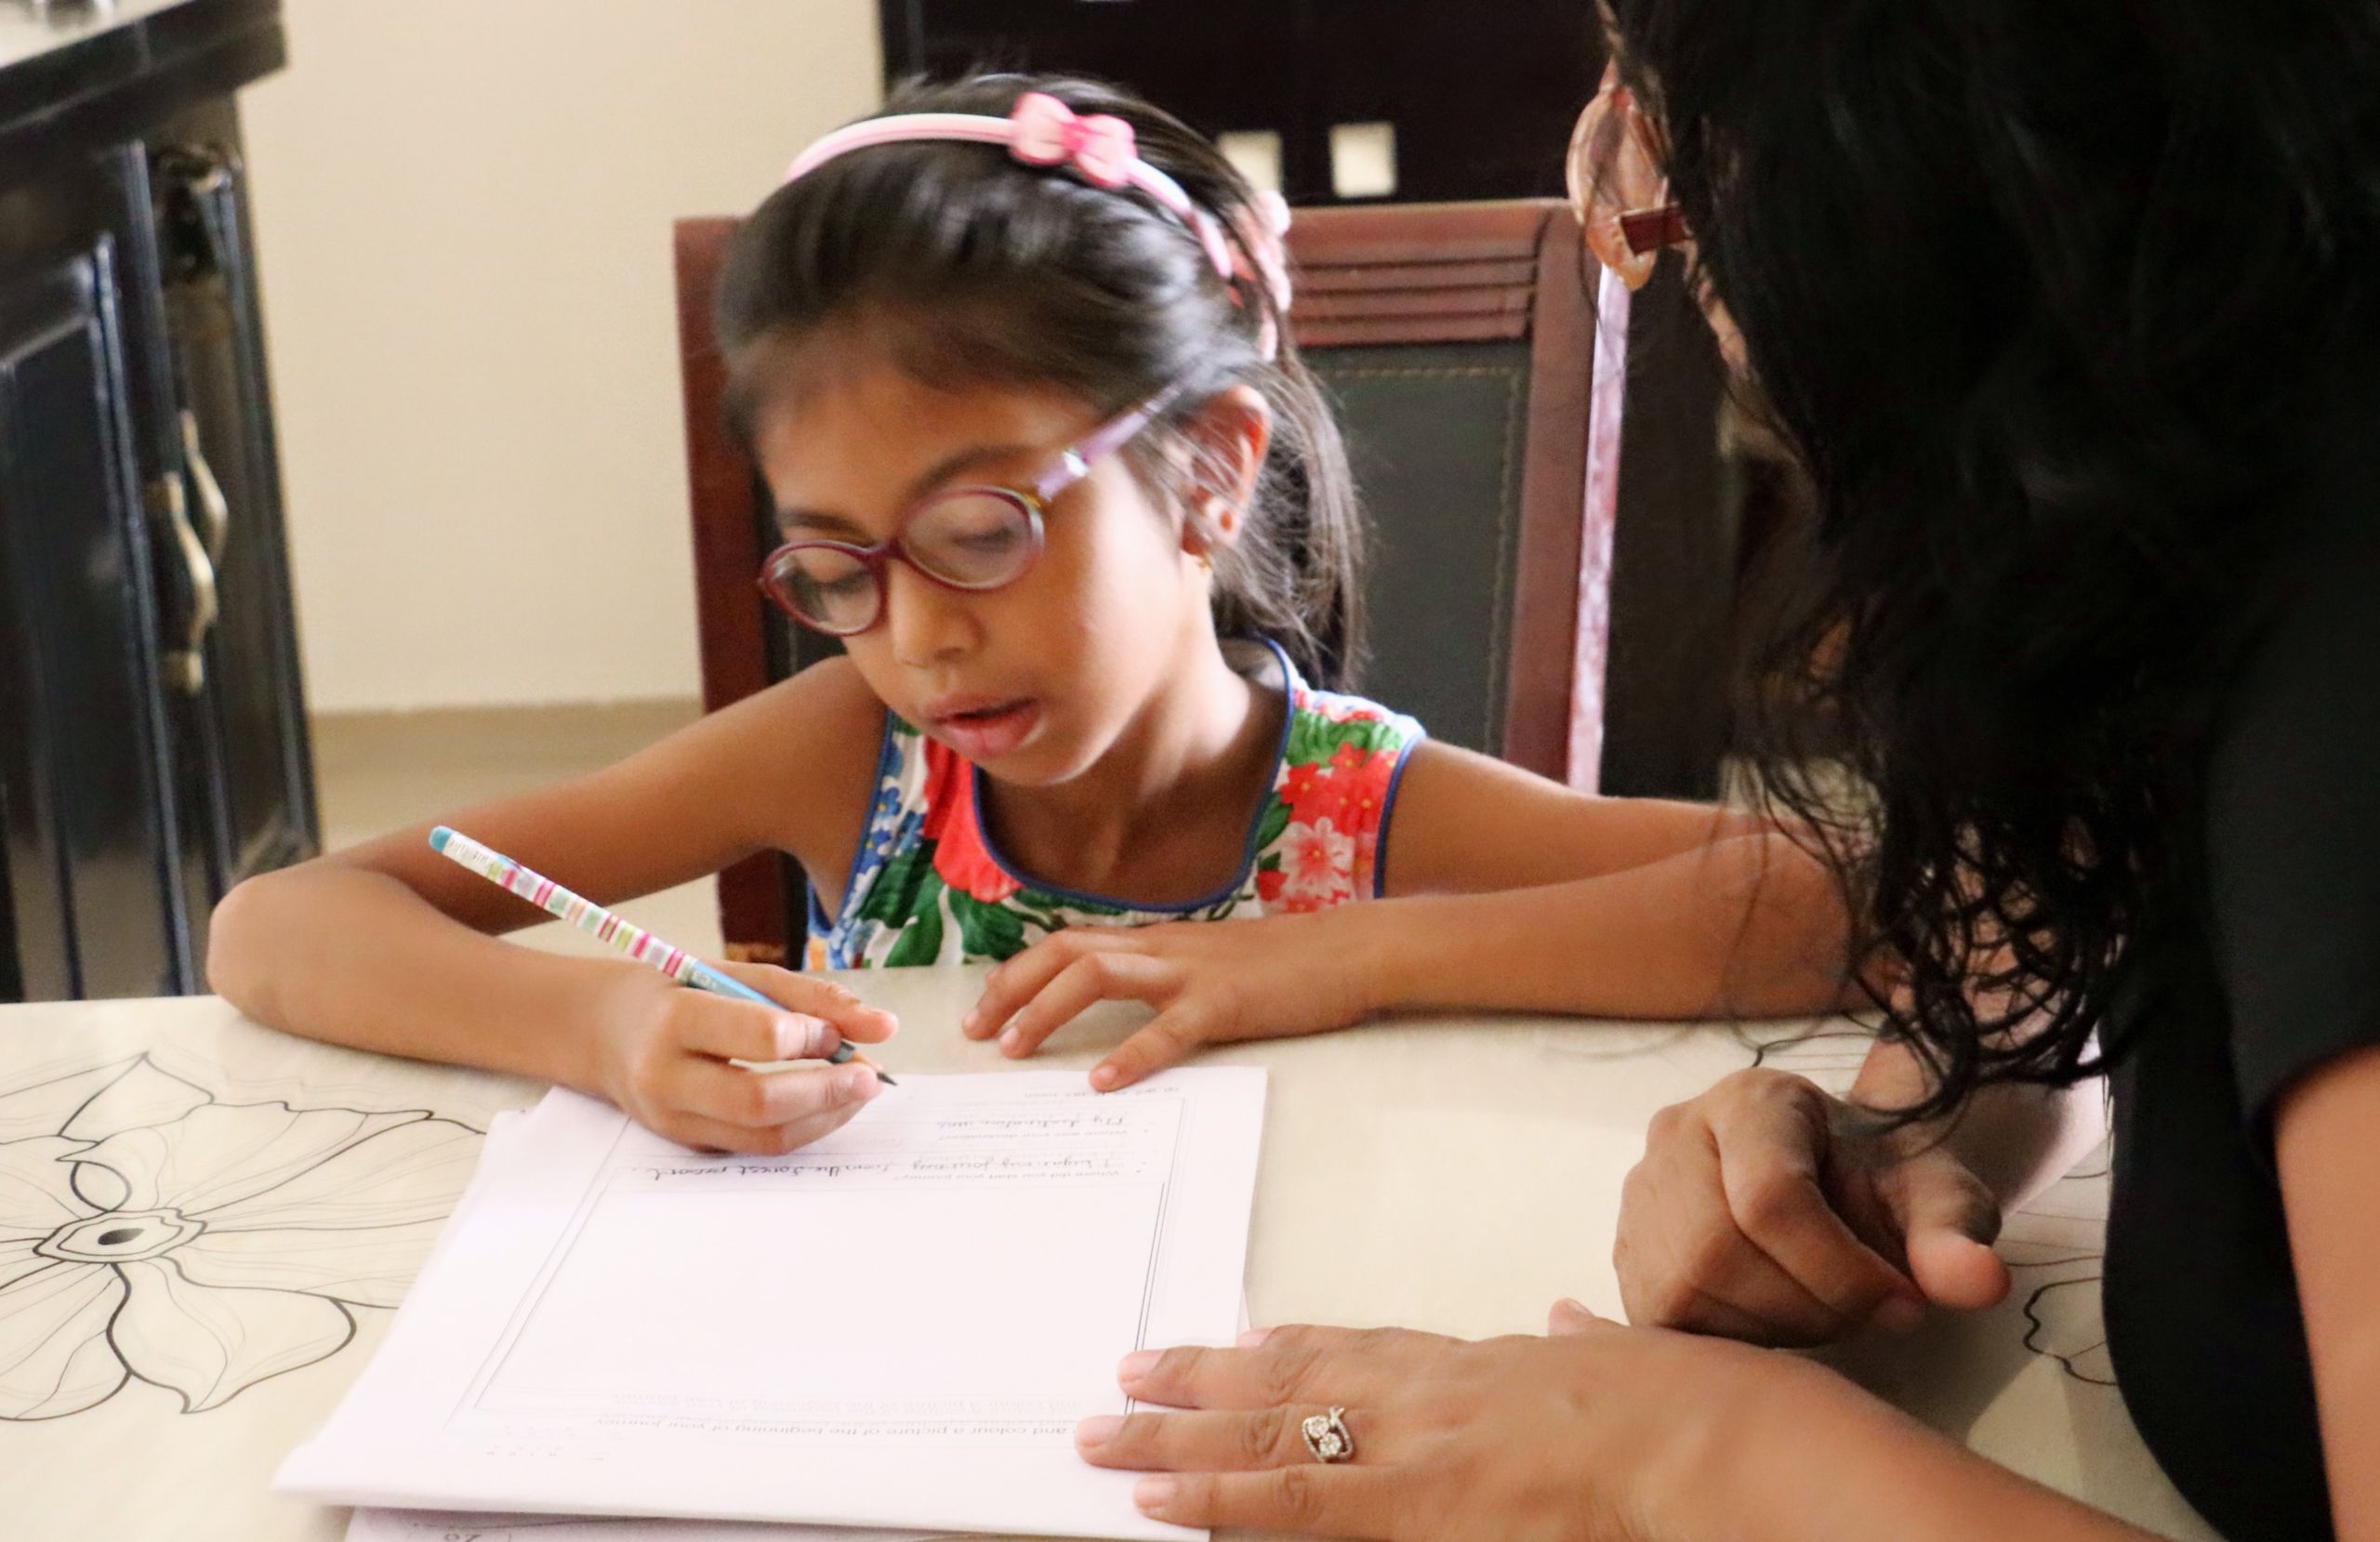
1068 467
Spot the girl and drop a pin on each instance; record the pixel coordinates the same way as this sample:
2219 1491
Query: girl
1011 358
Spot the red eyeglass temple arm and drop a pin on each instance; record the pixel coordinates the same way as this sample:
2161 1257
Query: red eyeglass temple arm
1650 229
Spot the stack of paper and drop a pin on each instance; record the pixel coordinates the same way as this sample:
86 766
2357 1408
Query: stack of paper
897 1327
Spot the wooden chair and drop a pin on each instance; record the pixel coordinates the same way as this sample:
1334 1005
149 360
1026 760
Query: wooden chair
1482 411
1481 415
745 645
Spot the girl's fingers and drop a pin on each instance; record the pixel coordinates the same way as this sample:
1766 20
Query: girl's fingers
732 1096
1022 979
1018 981
1107 974
1350 1366
1342 1499
801 1132
733 1029
1204 1442
836 1004
1163 1040
693 1129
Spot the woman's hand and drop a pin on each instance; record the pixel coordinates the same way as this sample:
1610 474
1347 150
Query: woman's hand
1594 1433
1765 1210
1210 982
663 1055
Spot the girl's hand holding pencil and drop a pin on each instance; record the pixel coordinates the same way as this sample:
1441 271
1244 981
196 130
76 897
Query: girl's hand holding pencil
706 1066
706 1070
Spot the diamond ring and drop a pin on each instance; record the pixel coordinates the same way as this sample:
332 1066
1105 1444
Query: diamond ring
1327 1437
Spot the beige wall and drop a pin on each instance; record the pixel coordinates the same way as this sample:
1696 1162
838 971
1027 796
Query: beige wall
463 216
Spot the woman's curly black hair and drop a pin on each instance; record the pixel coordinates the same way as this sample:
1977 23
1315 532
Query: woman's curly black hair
2047 299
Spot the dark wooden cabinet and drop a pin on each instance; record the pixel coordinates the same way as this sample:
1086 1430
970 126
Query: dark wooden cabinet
153 742
90 829
239 727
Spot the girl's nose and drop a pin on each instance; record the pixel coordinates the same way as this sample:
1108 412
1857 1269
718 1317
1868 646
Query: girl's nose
925 622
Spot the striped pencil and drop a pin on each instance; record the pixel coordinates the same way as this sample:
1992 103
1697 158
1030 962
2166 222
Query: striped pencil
604 927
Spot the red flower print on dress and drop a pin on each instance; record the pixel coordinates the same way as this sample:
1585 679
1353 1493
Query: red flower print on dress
1348 795
961 855
1300 782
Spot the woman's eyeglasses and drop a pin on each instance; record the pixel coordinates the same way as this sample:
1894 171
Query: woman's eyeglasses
970 539
1617 186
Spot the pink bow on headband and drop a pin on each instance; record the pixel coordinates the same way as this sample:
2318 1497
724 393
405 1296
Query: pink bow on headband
1046 132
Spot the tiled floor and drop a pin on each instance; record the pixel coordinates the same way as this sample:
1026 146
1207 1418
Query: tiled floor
377 771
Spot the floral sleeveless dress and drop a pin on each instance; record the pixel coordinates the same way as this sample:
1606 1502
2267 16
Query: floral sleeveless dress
927 886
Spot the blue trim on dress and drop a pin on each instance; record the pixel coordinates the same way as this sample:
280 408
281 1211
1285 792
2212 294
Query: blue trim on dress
887 759
1388 810
1290 685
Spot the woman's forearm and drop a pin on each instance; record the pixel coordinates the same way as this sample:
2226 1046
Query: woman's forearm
1748 926
1812 1458
356 957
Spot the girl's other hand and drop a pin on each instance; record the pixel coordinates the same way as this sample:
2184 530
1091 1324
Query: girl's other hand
663 1053
1767 1211
1588 1434
1210 982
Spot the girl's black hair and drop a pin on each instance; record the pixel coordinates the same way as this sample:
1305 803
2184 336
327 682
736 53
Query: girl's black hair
2052 301
972 266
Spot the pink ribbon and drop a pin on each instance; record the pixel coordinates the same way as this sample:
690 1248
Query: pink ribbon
1048 132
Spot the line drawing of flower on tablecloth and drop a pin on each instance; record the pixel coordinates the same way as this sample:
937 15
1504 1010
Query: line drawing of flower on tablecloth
150 1232
2055 1250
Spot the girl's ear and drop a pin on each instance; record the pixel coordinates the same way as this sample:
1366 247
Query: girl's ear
1228 440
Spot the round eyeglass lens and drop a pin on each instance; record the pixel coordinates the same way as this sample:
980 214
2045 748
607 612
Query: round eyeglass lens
974 539
830 588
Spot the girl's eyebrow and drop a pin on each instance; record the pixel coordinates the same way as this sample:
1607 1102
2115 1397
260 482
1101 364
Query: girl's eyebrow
933 476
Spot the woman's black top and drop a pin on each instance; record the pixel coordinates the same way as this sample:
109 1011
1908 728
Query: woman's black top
2276 972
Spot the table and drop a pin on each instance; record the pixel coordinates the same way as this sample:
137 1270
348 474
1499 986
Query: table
1445 1173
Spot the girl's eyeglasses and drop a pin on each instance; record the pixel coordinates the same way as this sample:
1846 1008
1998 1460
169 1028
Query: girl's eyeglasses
970 539
1617 186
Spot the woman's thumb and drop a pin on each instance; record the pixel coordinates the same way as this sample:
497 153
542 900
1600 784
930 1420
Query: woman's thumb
1947 1221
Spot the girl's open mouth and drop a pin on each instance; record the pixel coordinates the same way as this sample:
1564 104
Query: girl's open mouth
989 731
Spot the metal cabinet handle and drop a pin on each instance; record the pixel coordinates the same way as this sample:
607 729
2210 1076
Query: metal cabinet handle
211 502
186 666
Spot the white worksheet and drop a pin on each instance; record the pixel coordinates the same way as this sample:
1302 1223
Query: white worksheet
431 1525
897 1327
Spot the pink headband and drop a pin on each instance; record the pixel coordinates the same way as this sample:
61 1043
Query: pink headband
1042 131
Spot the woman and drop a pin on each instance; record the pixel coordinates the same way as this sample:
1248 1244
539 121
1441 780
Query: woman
2070 313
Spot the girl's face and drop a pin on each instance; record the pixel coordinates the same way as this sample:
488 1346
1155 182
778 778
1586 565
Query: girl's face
1034 681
